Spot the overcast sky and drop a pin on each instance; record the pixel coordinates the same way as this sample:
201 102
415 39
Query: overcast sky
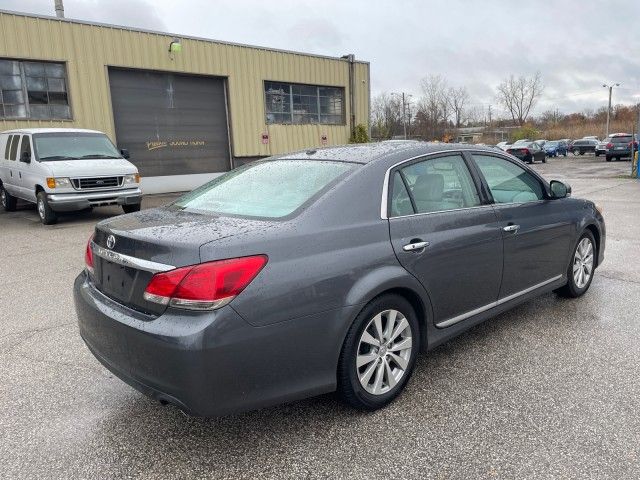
577 45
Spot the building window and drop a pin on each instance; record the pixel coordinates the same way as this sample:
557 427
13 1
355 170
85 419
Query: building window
293 103
33 90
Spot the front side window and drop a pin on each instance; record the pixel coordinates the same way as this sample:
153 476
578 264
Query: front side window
36 90
508 183
51 147
292 103
268 189
434 185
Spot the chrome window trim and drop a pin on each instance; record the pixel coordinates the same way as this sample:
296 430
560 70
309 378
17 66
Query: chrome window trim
385 186
128 261
442 211
464 316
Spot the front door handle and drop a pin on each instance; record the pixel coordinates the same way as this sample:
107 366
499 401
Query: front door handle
511 228
412 247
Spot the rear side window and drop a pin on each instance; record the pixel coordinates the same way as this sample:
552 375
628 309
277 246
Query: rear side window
25 147
400 199
14 147
268 189
7 147
621 139
508 182
435 185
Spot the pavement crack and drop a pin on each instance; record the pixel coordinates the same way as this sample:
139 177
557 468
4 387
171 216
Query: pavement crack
635 282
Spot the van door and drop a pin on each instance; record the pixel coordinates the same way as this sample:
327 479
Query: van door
11 179
29 169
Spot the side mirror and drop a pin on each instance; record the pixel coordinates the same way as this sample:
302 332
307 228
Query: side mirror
125 153
25 157
560 189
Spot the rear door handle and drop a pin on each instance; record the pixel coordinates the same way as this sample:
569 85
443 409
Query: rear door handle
511 228
412 247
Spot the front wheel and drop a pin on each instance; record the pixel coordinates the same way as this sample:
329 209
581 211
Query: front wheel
581 268
9 202
379 353
46 214
576 152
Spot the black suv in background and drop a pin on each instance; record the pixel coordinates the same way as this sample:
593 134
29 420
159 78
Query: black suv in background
619 146
584 145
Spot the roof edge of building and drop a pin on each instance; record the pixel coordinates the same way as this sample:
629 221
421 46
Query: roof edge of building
175 35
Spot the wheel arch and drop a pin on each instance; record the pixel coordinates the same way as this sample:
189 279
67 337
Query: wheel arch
39 188
595 231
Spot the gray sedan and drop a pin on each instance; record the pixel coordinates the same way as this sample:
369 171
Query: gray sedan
326 270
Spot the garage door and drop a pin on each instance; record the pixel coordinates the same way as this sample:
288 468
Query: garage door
171 124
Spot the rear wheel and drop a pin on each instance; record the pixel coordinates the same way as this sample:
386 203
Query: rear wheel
607 158
9 202
581 268
379 353
131 208
46 214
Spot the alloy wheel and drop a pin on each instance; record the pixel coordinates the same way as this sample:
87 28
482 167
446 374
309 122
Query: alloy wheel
3 197
384 352
583 263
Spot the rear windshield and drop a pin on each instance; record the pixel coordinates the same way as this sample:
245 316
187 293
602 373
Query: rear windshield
268 189
51 147
621 139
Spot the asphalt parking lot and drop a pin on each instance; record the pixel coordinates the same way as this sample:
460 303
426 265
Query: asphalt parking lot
548 390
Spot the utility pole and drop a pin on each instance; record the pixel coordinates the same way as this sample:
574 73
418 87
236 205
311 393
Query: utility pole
610 87
404 110
59 8
489 115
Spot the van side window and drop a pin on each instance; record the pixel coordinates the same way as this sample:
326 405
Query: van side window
25 147
14 147
8 147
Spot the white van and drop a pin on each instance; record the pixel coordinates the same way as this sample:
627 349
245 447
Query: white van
65 169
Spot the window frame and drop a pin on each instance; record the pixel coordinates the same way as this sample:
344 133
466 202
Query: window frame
25 90
290 95
543 183
385 211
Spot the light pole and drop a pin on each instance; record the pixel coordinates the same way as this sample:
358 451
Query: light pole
404 111
610 87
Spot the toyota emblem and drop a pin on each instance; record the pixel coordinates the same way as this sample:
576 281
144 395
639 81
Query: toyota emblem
111 241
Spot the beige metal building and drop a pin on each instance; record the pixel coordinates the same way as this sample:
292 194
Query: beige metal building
186 108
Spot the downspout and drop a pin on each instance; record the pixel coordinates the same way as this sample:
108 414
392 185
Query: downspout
351 58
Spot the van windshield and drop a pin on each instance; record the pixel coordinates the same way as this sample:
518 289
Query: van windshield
50 147
271 188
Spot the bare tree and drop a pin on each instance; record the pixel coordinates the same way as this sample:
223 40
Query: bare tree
386 116
433 108
457 99
519 95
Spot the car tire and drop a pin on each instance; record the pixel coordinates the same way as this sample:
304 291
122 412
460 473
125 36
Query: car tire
565 154
370 377
597 154
9 202
607 158
45 212
544 159
584 252
135 207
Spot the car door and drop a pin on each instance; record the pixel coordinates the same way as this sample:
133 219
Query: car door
536 229
537 152
446 235
12 178
28 169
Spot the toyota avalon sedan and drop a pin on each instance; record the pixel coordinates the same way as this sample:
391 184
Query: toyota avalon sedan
324 270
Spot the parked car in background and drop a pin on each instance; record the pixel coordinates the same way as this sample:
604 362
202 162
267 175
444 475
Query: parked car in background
528 152
554 148
582 146
65 169
503 145
590 137
541 142
332 272
619 146
601 147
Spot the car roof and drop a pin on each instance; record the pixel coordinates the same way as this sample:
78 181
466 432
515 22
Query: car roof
372 152
50 130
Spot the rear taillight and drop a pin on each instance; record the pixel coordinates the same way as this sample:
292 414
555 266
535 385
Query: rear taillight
609 145
525 151
88 255
205 286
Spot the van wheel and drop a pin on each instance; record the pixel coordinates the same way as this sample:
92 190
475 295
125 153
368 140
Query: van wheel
581 267
131 208
46 214
379 353
9 202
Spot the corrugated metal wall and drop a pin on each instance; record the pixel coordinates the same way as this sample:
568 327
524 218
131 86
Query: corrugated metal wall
89 49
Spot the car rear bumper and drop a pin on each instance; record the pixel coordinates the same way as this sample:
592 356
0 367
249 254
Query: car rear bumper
211 363
65 202
626 152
